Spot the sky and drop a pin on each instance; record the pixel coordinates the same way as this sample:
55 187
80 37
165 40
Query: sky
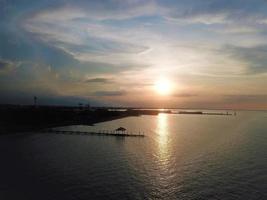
213 53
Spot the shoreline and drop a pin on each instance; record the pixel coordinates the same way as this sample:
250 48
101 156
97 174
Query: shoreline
34 118
30 118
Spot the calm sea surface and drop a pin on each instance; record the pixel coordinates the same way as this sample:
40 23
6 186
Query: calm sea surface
181 157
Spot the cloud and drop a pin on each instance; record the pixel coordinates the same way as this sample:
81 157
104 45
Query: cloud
31 77
99 80
85 38
25 47
254 58
26 97
7 66
100 46
185 95
99 10
244 98
220 12
110 93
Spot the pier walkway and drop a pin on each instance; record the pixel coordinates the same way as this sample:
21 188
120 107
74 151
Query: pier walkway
101 132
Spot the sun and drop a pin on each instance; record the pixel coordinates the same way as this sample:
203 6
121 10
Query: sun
163 86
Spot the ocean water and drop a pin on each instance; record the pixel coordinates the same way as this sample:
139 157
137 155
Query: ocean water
181 157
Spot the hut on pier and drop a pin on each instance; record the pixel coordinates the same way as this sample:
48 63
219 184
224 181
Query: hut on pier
120 130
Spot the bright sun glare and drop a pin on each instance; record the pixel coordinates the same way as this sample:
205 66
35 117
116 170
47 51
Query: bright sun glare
163 86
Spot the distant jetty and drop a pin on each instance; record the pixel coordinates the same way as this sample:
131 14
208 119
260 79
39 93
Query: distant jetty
203 113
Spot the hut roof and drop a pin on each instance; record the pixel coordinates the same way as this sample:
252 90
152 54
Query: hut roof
121 129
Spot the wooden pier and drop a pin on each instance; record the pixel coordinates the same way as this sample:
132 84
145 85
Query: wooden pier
100 132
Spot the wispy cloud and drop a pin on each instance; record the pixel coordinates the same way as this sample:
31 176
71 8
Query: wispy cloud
221 12
101 10
246 98
185 95
110 93
254 58
99 80
83 38
7 66
222 16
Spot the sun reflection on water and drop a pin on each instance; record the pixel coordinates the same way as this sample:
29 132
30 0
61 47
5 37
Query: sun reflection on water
163 138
